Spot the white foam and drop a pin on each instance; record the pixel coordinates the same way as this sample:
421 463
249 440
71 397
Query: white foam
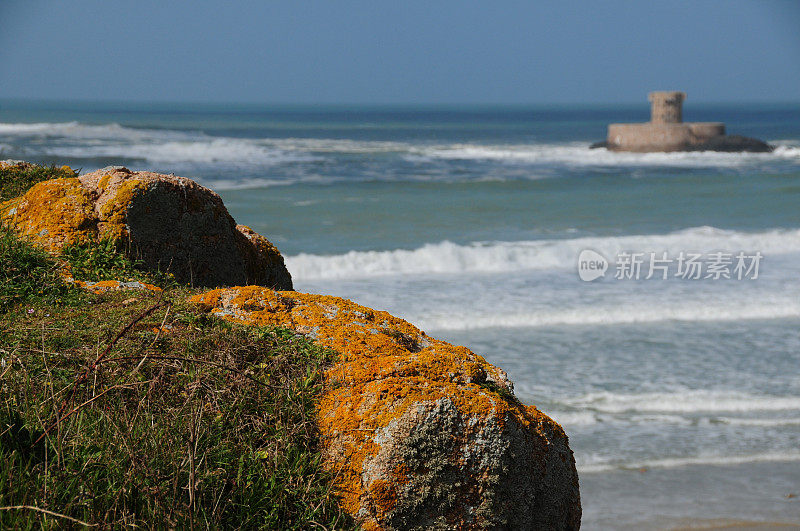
219 150
600 464
159 146
575 419
337 145
584 418
787 151
777 308
689 401
577 154
200 148
451 258
757 422
113 140
246 184
79 131
171 145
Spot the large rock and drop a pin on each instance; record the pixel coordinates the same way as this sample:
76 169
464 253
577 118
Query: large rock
725 143
419 433
170 223
733 144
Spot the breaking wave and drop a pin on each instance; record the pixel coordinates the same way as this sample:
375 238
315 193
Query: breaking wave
589 465
90 141
452 258
577 154
685 401
613 315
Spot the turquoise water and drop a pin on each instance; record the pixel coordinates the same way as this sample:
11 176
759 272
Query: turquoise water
469 222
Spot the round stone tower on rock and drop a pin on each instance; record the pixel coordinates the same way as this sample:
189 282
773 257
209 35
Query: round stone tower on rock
666 107
666 130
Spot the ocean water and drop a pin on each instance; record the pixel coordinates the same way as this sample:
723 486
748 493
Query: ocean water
681 396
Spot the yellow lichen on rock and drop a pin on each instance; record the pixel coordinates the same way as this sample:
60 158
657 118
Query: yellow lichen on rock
385 401
62 211
52 213
166 222
112 211
101 185
105 286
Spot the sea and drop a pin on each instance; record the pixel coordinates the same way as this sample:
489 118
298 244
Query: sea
650 303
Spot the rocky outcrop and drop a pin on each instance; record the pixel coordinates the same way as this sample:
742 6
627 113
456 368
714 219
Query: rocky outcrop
725 143
732 143
419 433
666 131
169 223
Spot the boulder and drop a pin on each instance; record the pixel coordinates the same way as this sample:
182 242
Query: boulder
733 143
727 143
169 223
419 433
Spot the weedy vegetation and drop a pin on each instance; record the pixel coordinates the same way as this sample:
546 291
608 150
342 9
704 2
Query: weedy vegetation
135 408
15 181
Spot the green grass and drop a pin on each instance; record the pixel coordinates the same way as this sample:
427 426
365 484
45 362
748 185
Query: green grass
135 408
106 260
16 181
29 274
98 261
196 422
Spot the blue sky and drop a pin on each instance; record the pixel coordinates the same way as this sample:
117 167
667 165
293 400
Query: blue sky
445 51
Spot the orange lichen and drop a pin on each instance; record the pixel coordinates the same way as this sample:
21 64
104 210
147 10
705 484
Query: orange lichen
101 185
62 211
113 211
115 285
52 213
387 368
384 495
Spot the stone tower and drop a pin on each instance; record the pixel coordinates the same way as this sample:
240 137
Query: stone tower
666 107
666 130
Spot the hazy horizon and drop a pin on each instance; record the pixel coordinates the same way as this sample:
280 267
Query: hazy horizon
533 105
